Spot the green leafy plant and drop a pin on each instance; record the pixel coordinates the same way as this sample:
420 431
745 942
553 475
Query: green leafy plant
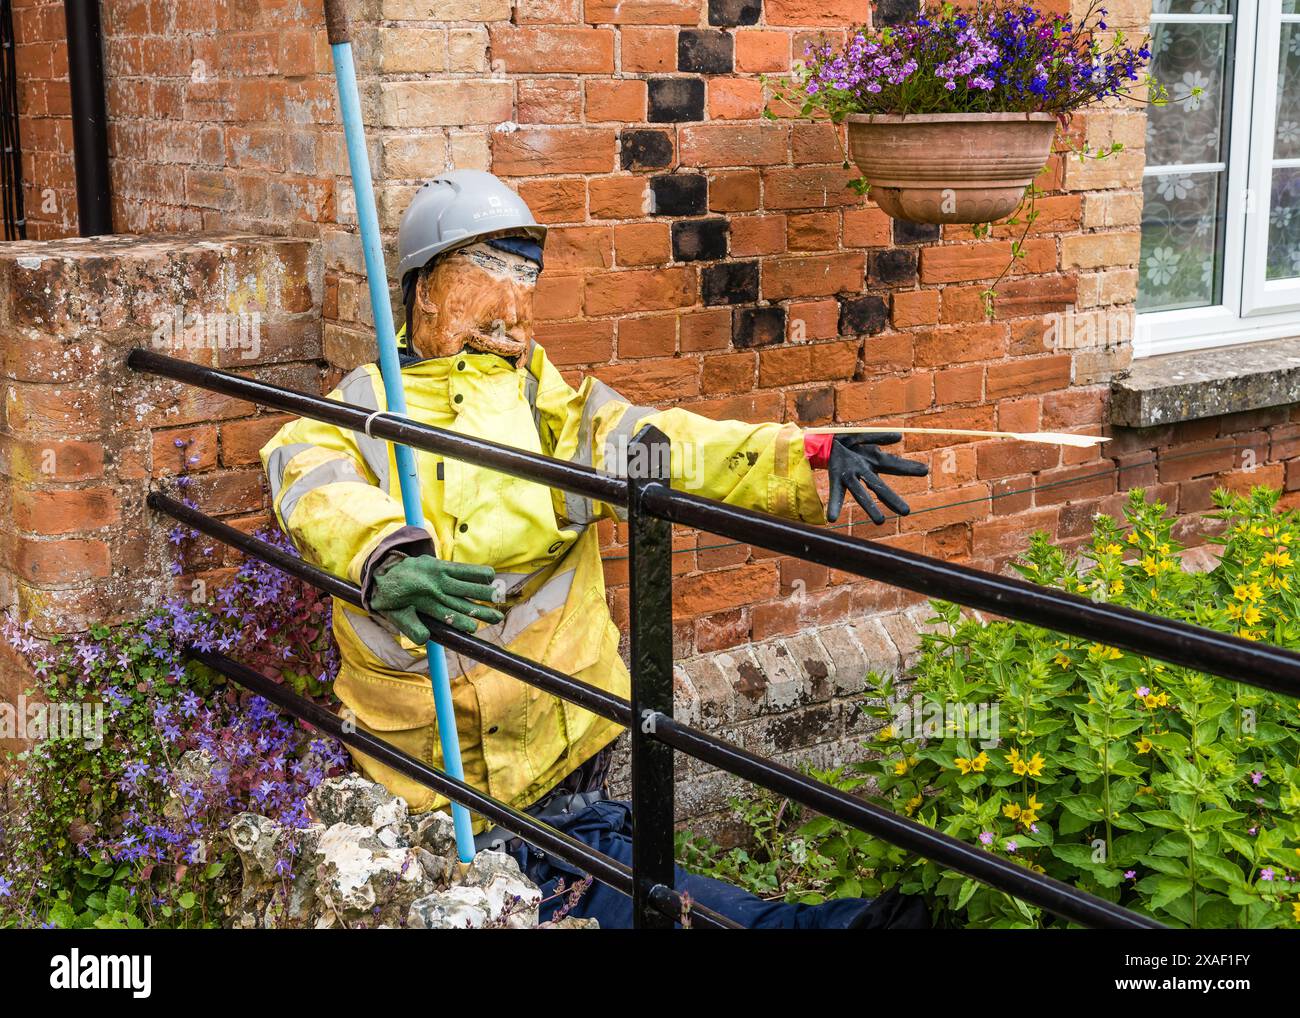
1156 786
1169 791
126 829
794 855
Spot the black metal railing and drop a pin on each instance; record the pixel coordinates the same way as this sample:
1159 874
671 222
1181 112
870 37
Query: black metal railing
652 506
11 150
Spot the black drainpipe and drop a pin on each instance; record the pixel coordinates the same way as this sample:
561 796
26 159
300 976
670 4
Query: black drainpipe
89 117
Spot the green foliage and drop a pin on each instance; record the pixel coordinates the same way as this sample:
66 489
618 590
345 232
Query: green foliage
796 856
1172 792
126 828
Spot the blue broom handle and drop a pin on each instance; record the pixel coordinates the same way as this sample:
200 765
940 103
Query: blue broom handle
390 368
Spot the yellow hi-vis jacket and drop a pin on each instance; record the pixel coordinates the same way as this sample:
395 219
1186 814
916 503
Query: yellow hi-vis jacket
336 494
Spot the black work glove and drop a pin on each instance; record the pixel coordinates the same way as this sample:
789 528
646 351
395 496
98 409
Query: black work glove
855 461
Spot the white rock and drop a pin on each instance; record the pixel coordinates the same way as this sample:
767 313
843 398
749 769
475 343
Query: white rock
488 865
513 901
435 831
357 872
570 922
258 840
351 799
456 908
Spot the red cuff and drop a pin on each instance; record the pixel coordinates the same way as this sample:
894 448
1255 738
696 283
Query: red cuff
818 450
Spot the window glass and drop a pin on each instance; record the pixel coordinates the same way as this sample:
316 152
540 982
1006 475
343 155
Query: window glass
1283 215
1184 185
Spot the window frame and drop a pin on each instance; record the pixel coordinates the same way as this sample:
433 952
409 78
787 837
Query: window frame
1251 308
1261 295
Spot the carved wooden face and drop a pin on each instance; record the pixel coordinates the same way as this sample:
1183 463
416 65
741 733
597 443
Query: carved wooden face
476 297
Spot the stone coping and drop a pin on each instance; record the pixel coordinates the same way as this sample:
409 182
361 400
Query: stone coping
1206 383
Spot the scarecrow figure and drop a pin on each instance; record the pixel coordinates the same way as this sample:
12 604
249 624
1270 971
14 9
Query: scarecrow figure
516 562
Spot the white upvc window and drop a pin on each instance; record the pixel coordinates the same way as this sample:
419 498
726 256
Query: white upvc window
1220 260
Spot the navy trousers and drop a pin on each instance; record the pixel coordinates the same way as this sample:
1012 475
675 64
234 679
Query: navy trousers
607 827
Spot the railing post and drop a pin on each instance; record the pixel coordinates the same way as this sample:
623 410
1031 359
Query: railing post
650 550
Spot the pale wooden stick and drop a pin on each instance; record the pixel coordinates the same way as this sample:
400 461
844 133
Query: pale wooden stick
1042 437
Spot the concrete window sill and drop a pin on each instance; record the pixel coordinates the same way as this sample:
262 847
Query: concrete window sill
1206 383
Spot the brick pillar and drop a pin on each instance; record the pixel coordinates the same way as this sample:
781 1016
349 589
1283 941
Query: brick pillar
83 439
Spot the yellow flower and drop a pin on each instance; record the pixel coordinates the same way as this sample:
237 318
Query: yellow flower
1279 560
900 767
1026 814
1034 766
1132 537
885 734
912 804
1145 745
1061 660
1251 615
1082 588
1151 566
976 765
1295 911
1248 591
1117 586
1146 790
1113 549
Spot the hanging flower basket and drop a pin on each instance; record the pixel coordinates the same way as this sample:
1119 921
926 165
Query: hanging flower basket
950 167
952 115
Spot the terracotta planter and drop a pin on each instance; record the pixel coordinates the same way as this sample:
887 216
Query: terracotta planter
950 167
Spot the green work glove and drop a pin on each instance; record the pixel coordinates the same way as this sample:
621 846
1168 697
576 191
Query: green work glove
446 591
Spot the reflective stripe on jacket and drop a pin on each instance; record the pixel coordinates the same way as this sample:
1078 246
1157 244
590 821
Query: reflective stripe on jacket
336 494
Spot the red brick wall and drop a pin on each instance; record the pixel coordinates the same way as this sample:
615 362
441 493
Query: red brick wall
83 440
700 255
220 116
